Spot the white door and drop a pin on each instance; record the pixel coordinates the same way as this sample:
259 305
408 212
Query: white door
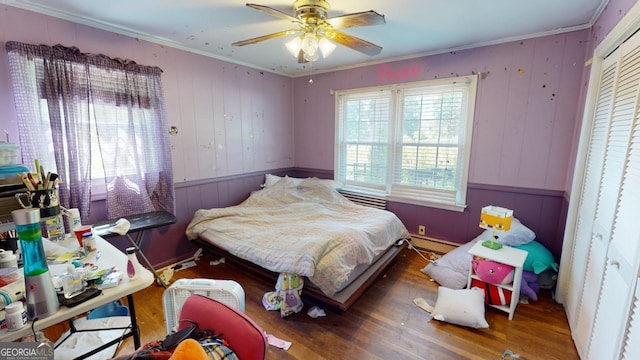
607 237
619 283
586 270
631 350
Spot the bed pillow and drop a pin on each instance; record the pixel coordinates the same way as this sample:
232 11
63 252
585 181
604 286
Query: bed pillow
517 235
330 183
270 180
452 269
463 307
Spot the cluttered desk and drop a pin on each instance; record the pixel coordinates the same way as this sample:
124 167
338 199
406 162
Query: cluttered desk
46 299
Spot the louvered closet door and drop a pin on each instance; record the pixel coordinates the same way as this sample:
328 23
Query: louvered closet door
630 226
580 304
631 349
618 210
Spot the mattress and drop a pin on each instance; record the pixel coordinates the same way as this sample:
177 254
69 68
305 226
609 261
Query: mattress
306 228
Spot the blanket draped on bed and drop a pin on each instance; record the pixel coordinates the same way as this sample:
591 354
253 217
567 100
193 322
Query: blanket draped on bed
308 229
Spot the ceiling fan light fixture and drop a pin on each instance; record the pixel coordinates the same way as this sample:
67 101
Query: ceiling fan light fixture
311 57
294 46
326 47
309 44
318 30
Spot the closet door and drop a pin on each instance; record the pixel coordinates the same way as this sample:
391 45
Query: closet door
586 268
617 214
631 349
624 249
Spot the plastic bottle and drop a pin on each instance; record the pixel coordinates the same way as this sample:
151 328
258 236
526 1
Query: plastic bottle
7 259
133 265
74 219
55 228
88 242
15 316
72 283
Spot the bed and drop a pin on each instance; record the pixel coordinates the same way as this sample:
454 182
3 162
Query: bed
305 227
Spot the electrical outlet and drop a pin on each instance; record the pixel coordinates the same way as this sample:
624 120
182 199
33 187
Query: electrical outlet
421 230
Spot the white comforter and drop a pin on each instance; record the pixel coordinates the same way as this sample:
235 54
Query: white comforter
309 229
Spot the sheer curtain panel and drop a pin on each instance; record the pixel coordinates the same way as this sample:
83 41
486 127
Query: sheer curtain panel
100 123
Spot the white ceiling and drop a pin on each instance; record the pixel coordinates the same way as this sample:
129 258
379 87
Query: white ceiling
413 27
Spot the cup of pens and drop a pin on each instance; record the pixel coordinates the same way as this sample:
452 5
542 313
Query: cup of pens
41 191
46 200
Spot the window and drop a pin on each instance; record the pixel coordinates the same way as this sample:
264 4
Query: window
409 142
108 116
101 126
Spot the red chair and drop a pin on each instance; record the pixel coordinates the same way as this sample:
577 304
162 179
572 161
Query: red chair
246 338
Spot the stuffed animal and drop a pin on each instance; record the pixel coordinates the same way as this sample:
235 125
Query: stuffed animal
539 258
547 279
493 272
496 273
529 285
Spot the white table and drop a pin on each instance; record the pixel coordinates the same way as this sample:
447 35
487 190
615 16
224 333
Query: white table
505 255
110 256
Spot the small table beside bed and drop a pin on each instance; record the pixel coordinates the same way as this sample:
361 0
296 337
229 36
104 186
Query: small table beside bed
305 227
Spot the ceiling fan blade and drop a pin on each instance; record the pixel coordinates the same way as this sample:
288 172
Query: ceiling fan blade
274 12
365 18
264 37
357 44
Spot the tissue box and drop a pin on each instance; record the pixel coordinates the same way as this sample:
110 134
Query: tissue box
8 154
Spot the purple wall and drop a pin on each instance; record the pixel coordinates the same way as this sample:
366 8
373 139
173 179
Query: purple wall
525 117
525 109
231 119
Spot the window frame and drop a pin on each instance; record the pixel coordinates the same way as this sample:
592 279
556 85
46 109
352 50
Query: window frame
444 199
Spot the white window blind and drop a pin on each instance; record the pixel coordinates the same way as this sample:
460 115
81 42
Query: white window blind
365 138
410 142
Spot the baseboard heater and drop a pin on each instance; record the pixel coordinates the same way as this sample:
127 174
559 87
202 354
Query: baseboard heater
378 202
432 244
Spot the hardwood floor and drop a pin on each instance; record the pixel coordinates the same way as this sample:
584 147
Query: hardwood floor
383 324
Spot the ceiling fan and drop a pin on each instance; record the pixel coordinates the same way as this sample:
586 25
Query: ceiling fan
318 31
